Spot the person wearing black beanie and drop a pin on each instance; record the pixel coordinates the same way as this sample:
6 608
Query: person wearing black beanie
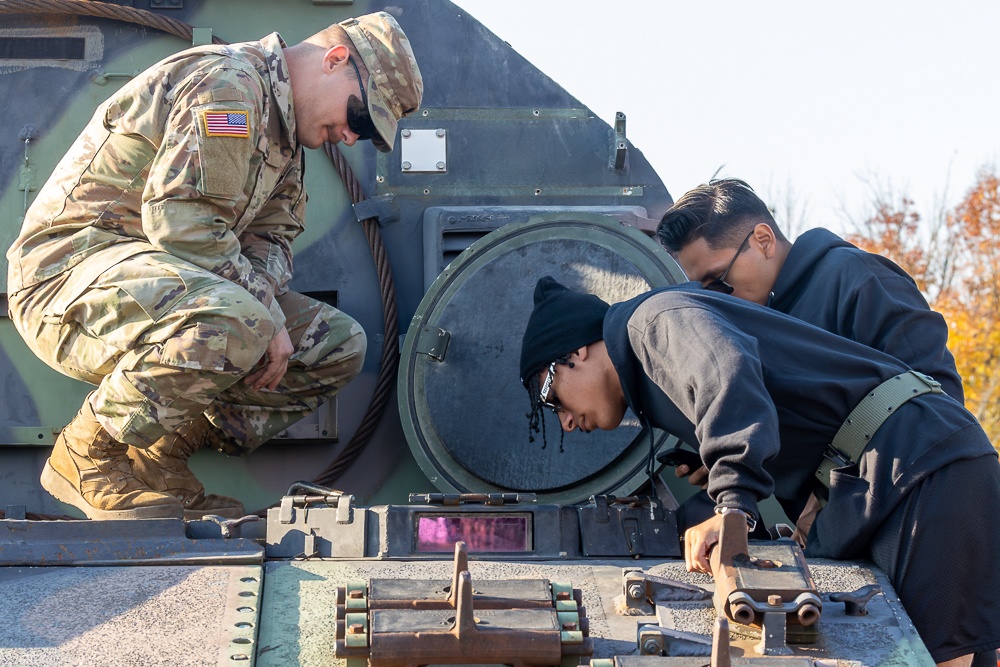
765 397
562 325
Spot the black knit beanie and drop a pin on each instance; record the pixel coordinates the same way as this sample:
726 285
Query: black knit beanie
562 321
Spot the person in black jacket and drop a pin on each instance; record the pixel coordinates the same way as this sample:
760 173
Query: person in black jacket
724 237
762 395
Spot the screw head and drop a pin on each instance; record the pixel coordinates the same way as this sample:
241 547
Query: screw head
405 133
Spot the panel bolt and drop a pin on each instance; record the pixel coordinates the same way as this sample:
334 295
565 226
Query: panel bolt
651 646
636 591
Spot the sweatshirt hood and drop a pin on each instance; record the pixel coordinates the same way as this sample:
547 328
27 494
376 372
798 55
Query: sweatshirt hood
808 249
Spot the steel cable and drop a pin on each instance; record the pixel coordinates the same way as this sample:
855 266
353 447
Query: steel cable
102 10
390 349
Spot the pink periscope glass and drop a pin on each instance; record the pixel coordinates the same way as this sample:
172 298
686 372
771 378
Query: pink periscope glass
482 534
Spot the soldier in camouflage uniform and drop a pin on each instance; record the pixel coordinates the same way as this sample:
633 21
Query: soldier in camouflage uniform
154 263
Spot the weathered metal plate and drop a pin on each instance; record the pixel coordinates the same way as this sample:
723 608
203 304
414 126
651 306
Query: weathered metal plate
298 623
126 616
114 542
785 576
514 592
434 620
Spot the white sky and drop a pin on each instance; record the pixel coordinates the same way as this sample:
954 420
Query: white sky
820 99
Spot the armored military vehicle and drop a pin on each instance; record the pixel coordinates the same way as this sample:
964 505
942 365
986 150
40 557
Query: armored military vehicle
409 521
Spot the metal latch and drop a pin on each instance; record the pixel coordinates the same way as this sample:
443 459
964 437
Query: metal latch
319 523
433 342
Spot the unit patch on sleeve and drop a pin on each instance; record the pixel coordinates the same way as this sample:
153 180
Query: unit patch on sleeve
226 123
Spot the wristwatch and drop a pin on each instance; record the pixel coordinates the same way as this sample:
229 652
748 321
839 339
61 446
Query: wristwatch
751 521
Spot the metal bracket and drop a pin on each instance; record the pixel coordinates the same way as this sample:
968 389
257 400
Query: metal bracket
201 36
656 640
641 592
494 499
619 145
381 207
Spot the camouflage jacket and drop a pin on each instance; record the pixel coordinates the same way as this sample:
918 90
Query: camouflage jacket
195 157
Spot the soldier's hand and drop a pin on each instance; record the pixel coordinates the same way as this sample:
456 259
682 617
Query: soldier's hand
275 362
697 477
698 543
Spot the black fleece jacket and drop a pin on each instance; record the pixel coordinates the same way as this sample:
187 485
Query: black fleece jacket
838 287
761 394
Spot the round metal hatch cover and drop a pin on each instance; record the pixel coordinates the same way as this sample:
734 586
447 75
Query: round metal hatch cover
462 404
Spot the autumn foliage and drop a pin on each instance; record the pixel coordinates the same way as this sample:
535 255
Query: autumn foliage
955 260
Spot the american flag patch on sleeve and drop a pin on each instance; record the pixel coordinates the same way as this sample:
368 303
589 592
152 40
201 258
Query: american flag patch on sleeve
226 123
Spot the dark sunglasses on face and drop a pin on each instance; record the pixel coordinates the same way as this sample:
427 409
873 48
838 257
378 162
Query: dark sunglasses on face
359 120
719 284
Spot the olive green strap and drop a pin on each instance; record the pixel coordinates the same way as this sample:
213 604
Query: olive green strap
859 427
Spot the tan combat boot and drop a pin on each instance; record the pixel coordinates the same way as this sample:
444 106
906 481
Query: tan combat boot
164 467
91 471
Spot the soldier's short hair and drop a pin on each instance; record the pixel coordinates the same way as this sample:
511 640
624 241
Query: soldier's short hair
335 35
721 211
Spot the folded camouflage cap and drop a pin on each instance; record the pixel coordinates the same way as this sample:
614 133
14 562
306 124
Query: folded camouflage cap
394 85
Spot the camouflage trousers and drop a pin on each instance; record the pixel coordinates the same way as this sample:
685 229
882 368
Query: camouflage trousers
165 340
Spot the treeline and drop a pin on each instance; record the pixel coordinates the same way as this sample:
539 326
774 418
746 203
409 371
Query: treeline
954 255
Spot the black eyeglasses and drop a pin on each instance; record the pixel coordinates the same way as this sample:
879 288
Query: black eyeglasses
359 120
546 396
719 284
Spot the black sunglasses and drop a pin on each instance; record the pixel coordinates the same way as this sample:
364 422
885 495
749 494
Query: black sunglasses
719 284
359 120
547 397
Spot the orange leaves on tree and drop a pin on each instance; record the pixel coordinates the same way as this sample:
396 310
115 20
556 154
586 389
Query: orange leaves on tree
955 260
